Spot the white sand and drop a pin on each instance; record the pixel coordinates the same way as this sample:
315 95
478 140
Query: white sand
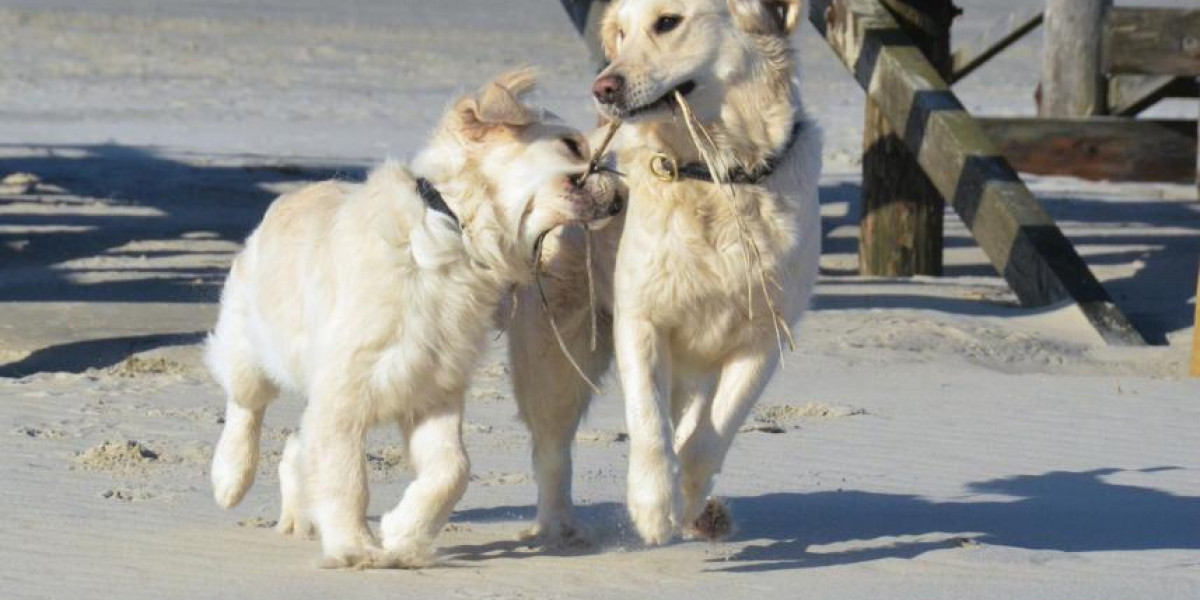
929 439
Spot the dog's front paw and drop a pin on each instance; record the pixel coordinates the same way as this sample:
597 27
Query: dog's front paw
714 523
653 513
560 532
292 522
350 557
406 554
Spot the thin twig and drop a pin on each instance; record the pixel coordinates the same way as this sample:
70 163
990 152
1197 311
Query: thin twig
594 163
707 147
587 254
562 345
593 167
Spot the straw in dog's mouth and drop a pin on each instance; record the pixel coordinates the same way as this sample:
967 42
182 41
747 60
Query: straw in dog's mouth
667 100
593 167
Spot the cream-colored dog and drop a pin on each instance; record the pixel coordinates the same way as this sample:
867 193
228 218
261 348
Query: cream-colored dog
374 300
679 281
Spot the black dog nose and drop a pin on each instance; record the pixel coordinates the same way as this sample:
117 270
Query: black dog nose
608 88
618 203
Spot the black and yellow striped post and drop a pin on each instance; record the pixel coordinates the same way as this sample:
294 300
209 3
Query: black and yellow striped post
1012 227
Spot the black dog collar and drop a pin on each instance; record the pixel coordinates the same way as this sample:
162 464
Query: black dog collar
433 199
667 168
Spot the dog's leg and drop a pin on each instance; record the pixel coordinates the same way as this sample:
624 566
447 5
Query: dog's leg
248 392
552 398
702 453
437 455
332 442
653 495
293 520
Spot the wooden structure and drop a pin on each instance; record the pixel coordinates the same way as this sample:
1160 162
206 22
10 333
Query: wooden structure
1103 65
902 217
961 162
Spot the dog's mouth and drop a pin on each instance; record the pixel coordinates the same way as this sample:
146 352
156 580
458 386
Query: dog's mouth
663 101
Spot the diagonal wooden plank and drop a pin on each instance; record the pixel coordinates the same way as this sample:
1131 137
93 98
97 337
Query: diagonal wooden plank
1130 95
1008 223
966 61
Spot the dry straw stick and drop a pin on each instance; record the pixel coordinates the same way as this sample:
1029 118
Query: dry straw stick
707 147
592 167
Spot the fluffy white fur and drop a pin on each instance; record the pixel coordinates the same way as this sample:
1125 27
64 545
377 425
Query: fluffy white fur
674 274
375 307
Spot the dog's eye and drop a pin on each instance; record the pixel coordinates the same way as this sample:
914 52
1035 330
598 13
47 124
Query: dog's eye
573 146
666 23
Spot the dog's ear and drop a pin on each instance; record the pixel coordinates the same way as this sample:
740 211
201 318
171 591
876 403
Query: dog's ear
610 29
497 104
519 82
771 17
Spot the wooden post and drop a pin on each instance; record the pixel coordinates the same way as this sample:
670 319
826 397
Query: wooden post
900 230
1073 81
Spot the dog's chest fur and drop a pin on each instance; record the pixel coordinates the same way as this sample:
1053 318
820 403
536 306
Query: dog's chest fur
682 263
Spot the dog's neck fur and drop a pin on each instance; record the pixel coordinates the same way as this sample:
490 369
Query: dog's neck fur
489 243
763 108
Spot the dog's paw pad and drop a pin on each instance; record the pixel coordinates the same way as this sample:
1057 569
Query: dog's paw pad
714 523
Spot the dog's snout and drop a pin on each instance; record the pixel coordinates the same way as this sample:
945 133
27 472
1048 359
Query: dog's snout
608 88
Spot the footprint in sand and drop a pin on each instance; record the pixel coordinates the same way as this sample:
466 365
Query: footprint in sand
778 418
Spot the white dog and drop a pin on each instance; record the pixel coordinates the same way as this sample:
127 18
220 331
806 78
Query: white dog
374 301
679 278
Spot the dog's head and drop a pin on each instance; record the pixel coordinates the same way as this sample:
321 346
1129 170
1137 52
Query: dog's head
698 47
525 165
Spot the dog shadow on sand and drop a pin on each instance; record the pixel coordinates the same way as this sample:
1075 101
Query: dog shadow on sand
1057 511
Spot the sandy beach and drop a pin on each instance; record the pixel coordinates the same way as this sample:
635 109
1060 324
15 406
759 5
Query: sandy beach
929 437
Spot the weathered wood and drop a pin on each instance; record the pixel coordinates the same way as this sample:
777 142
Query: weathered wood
966 62
1153 41
1129 95
1073 82
900 228
1099 148
1008 223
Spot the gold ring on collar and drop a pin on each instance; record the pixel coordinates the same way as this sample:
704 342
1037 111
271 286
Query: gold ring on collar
664 167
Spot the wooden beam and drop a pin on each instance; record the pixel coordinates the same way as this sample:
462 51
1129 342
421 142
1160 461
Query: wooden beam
900 228
1008 223
966 62
1099 148
1073 82
1153 41
1130 95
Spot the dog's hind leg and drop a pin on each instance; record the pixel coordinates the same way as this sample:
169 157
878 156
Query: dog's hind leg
437 455
552 398
333 435
248 391
702 452
293 518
